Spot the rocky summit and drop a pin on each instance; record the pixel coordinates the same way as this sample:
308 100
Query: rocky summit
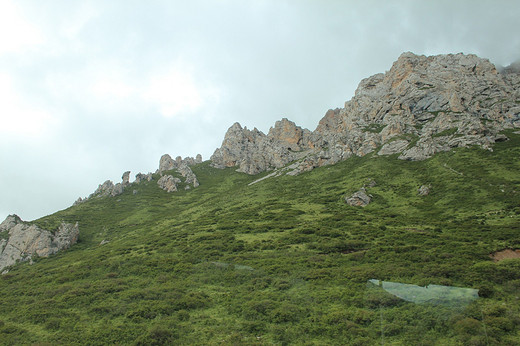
421 106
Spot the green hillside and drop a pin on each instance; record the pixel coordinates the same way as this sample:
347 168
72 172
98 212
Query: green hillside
284 261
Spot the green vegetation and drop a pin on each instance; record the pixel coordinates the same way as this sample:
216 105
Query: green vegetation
447 132
284 261
374 128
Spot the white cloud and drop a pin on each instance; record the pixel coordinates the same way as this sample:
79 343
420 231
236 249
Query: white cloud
113 87
174 91
17 117
16 33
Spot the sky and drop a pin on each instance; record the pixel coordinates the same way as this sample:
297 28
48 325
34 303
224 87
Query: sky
91 89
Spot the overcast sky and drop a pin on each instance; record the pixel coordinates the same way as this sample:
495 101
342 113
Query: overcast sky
90 89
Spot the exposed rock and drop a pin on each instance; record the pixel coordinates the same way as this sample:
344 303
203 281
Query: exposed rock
140 177
126 178
168 183
424 190
393 147
166 163
79 201
188 174
117 190
10 222
104 189
432 104
26 241
371 183
254 152
359 198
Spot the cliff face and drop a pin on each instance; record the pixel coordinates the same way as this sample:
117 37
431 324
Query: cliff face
22 241
421 106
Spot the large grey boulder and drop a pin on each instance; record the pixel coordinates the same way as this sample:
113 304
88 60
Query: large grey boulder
359 198
25 241
424 190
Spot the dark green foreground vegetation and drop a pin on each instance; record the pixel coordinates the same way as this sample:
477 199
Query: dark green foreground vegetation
284 261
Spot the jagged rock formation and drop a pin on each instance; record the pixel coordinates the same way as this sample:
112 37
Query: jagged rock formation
255 152
168 183
24 241
139 177
182 166
108 188
126 178
421 106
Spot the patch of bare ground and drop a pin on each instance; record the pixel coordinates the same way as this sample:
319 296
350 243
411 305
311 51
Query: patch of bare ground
505 254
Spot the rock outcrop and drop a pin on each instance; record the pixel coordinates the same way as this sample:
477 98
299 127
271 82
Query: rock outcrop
126 178
140 177
182 166
166 163
359 198
254 152
421 106
168 183
23 241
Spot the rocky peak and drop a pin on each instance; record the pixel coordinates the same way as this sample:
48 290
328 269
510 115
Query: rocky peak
10 222
421 106
254 152
286 133
166 163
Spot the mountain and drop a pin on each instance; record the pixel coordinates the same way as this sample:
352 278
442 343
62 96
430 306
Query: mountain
395 221
421 106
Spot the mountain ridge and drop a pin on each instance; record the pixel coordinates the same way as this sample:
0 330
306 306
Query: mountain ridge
421 106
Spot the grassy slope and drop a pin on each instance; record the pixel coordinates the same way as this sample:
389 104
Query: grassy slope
284 260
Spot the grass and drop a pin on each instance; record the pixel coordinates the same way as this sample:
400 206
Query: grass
284 261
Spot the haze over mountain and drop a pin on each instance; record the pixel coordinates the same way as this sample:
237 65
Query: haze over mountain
92 89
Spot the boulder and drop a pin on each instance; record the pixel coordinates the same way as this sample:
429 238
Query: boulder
358 199
424 190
